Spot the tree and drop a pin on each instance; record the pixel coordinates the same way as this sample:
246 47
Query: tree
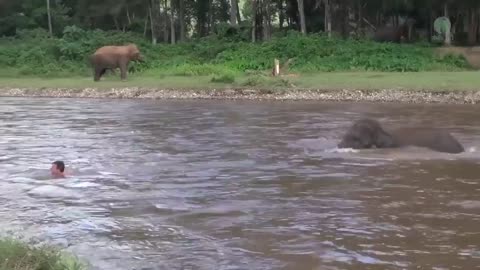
233 12
172 23
172 20
181 18
328 17
254 20
301 12
50 30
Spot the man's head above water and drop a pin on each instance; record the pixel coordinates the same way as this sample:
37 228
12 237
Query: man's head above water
58 168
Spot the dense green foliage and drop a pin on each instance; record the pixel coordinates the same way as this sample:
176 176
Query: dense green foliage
34 53
199 18
17 255
209 37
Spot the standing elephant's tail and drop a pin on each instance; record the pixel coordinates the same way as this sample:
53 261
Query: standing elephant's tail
91 59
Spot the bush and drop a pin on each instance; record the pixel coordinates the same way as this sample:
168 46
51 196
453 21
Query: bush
225 78
256 80
17 255
34 53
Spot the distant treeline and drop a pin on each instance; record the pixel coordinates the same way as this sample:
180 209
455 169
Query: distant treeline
172 21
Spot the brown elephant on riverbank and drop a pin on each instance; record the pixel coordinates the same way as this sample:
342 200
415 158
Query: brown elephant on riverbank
368 133
396 34
112 57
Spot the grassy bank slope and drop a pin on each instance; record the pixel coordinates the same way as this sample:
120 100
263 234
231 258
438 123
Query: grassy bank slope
33 53
19 256
468 80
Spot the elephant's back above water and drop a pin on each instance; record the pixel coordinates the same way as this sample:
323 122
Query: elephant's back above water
435 139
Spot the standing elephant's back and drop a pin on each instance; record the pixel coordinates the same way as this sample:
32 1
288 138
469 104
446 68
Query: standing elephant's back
107 49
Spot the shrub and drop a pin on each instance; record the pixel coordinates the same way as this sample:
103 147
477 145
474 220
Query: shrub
17 255
34 53
256 80
225 78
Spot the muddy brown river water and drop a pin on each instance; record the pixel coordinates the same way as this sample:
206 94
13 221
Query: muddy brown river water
238 185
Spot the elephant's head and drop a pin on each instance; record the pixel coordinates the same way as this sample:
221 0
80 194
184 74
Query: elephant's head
366 133
134 52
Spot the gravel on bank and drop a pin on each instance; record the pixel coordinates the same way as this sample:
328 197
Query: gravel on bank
380 95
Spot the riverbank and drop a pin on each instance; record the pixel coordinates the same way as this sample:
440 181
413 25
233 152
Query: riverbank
415 87
15 254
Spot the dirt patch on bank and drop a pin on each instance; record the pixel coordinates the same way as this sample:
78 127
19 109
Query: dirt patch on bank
381 95
471 54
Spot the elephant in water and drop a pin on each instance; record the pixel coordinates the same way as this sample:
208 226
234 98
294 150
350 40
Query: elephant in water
368 133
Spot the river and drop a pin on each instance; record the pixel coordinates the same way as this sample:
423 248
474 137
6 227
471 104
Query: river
238 185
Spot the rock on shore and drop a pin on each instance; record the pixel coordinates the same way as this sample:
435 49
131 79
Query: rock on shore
381 95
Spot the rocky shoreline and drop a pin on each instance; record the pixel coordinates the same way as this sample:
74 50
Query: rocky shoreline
378 95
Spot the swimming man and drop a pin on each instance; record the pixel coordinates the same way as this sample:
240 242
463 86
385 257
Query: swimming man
58 169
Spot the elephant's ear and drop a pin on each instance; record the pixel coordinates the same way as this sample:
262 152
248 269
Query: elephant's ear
384 140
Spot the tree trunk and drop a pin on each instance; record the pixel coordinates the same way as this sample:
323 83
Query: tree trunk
210 16
269 20
115 21
328 18
349 15
465 23
181 16
172 23
165 19
152 25
254 20
146 22
49 15
473 27
281 14
448 39
430 25
128 17
301 12
239 18
360 16
455 25
233 12
266 24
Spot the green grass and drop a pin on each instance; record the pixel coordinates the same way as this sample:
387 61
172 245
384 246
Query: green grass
15 255
33 53
465 80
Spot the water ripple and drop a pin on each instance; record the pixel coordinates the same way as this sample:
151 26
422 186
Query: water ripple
237 185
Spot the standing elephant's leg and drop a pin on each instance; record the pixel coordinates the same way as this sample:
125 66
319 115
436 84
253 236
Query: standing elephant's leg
123 69
99 73
103 72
